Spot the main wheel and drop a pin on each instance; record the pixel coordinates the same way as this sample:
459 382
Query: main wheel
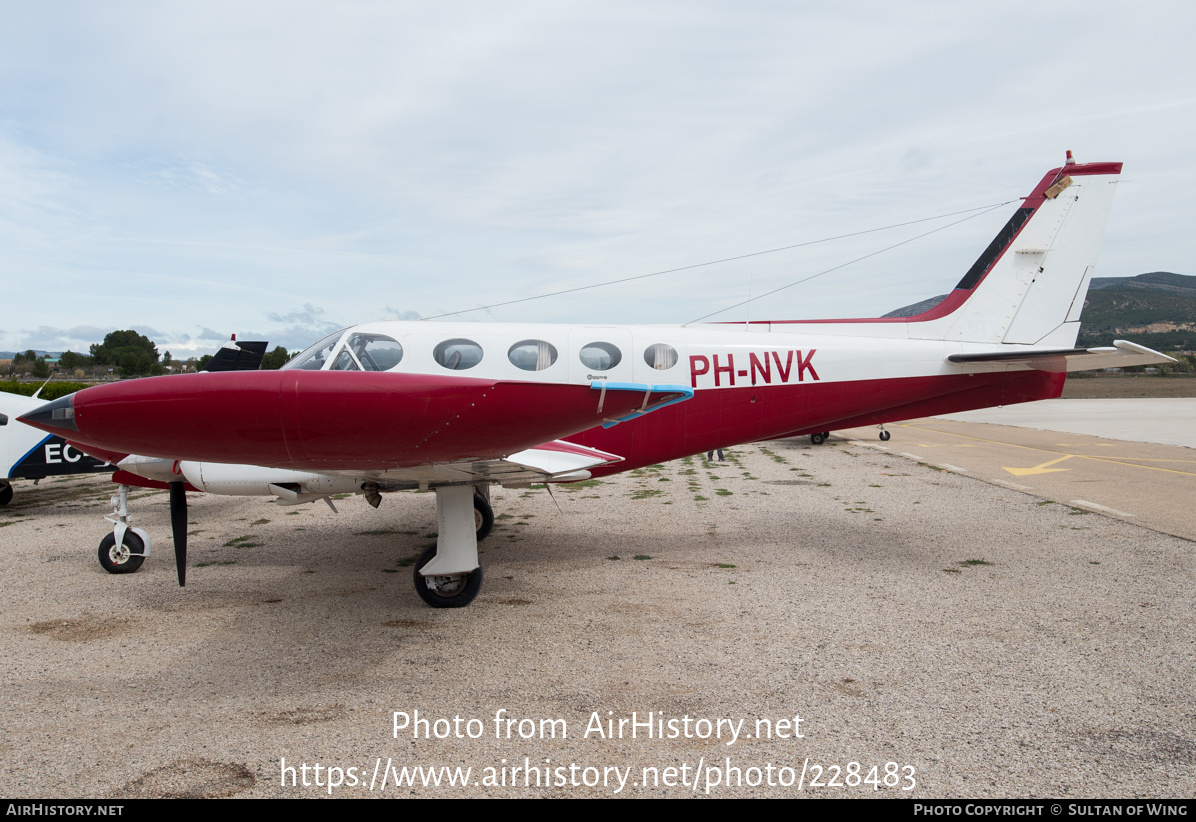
5 493
817 439
483 516
123 559
884 435
448 591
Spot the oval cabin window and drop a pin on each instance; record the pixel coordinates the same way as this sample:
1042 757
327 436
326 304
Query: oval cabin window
532 355
600 356
660 356
458 355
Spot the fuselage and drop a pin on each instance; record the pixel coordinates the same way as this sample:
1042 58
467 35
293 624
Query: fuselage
393 394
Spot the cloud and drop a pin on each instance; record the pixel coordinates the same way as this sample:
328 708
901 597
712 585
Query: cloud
392 313
48 338
308 316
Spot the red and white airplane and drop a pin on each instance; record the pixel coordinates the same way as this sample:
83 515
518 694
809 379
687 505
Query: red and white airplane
457 407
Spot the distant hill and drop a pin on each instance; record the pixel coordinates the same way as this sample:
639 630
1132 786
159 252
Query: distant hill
1154 281
916 308
8 355
1157 309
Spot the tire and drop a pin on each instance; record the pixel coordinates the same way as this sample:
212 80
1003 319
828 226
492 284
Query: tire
125 560
5 493
446 592
884 436
817 439
483 516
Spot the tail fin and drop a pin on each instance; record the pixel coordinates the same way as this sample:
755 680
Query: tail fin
1029 285
235 356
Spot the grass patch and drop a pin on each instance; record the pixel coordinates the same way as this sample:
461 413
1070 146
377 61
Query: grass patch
645 493
207 564
700 498
577 486
975 562
722 492
260 522
614 557
241 542
726 565
642 556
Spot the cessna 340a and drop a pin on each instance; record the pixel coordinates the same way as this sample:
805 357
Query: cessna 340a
457 407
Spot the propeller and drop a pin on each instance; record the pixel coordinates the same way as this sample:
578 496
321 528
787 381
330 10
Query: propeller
178 525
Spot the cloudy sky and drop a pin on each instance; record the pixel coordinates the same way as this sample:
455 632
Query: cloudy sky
278 170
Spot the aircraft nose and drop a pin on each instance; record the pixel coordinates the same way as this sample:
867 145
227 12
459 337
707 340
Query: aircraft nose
58 415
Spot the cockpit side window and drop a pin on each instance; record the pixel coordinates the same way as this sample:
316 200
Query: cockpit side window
375 352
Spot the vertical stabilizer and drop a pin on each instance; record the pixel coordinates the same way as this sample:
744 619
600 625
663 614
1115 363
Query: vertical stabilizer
1029 285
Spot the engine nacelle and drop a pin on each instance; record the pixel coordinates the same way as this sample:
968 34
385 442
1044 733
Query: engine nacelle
255 481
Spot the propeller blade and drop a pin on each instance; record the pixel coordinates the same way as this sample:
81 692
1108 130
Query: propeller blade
178 525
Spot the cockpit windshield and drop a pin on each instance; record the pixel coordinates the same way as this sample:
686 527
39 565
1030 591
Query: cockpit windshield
314 357
360 352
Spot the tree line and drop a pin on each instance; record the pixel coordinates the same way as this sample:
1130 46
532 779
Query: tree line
125 353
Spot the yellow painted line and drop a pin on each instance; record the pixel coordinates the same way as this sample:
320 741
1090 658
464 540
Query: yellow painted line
1039 469
1113 460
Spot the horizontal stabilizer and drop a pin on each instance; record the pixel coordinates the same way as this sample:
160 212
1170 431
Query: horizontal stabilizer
237 356
1121 355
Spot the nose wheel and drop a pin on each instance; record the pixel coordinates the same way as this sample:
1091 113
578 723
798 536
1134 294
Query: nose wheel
124 558
125 549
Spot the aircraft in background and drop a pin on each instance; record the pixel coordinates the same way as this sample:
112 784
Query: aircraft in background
457 407
27 453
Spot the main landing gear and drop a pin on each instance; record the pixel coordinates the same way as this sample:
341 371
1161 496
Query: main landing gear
819 439
5 492
450 575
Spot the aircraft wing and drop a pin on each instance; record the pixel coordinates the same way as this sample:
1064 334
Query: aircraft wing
1121 355
556 461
